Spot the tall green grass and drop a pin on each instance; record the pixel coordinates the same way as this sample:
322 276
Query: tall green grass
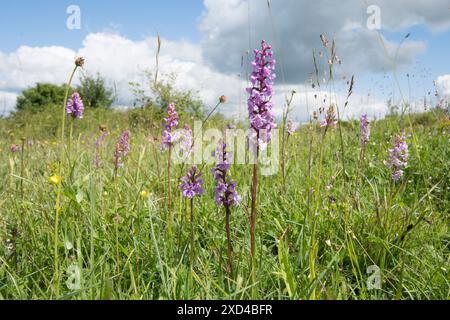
117 242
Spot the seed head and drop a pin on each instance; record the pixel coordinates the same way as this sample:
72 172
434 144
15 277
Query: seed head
79 62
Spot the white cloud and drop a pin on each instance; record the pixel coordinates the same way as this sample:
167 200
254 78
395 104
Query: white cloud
7 102
29 65
443 86
218 65
121 60
401 14
231 27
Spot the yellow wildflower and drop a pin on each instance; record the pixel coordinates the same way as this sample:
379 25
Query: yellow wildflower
55 180
144 194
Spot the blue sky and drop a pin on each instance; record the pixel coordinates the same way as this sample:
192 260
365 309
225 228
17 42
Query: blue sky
216 34
425 68
43 22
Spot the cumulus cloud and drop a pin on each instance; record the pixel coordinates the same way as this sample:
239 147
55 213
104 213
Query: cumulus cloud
29 65
400 14
443 86
120 61
231 27
7 102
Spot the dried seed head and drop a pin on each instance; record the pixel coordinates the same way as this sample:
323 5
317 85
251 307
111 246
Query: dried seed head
79 62
324 40
223 99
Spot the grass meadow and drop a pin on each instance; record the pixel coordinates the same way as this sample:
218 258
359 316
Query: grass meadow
83 217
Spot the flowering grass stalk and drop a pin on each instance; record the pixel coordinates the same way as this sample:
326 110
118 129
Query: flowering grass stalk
261 119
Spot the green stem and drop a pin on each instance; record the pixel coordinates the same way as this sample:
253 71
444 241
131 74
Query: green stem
313 216
230 247
169 191
69 153
192 250
59 192
22 168
254 192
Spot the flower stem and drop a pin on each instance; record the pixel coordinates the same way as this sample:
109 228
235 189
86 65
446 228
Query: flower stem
22 167
169 191
59 192
254 192
230 247
191 237
253 210
314 218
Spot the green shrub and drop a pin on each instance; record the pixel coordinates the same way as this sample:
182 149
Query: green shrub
94 92
38 98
